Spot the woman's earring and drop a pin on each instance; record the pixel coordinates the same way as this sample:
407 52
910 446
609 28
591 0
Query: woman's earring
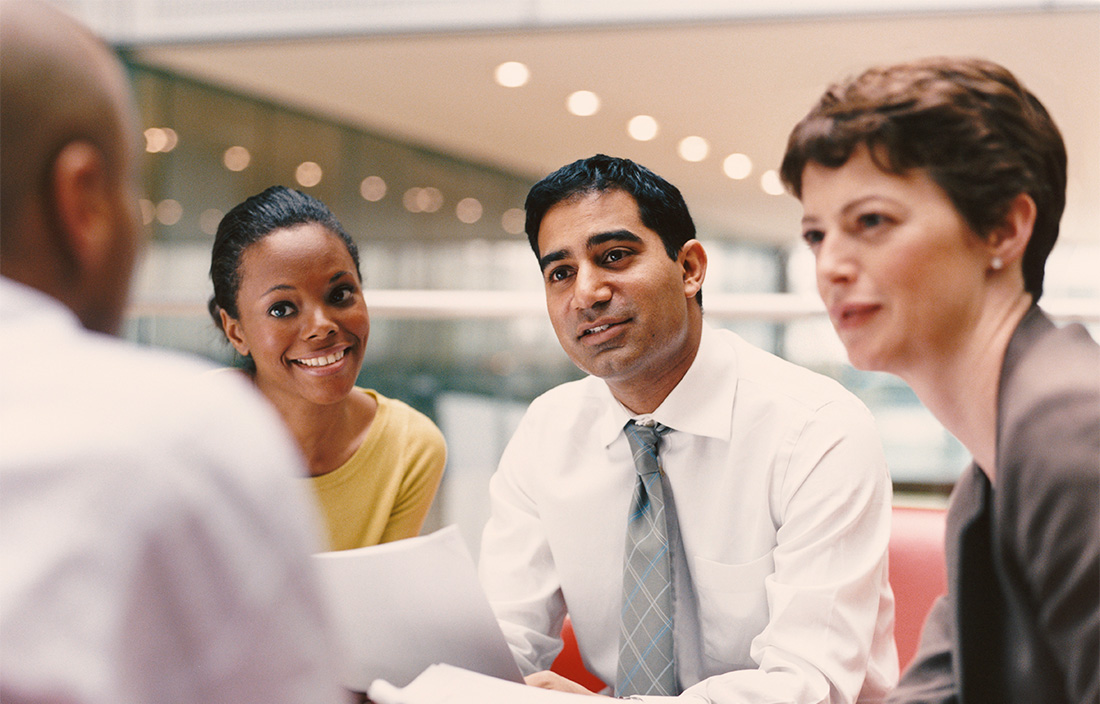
997 263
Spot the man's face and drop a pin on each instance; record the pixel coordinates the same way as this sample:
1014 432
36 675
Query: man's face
619 305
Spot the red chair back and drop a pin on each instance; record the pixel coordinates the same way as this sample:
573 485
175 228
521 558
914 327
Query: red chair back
918 572
568 664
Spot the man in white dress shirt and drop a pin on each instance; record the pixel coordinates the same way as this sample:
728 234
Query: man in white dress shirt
776 486
154 540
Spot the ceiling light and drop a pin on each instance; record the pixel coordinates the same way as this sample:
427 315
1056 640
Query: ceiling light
422 200
737 166
308 173
169 212
642 128
373 188
430 199
468 210
160 139
693 148
583 103
236 158
771 184
512 74
173 139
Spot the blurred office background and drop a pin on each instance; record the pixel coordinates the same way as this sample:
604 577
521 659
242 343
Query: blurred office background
422 123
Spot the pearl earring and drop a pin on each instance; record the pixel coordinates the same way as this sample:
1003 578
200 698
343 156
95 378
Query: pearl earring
997 263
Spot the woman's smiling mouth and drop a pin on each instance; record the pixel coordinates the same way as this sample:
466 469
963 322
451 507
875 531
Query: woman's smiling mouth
321 361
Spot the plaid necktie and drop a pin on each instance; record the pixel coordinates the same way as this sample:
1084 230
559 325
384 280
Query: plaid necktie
646 661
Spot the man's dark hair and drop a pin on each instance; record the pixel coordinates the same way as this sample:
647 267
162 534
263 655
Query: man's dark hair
660 205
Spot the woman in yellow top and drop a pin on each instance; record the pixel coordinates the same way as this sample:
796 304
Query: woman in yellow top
288 296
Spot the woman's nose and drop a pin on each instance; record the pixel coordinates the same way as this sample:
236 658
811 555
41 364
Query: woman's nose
320 323
834 259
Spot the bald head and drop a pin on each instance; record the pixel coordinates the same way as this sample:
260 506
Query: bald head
67 161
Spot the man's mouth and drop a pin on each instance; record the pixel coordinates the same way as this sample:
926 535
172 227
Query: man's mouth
598 328
321 361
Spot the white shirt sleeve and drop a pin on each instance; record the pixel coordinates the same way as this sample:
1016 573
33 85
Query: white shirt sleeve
516 566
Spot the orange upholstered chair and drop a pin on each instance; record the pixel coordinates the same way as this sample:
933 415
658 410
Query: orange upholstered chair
918 574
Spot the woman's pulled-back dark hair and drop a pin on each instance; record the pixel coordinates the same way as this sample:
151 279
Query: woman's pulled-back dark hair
980 135
257 217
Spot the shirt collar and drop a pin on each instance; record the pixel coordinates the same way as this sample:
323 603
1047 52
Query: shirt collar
701 404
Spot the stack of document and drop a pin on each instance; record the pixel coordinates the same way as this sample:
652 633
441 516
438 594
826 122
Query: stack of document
404 606
443 684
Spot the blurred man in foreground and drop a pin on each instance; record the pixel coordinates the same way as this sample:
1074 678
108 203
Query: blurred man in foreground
153 542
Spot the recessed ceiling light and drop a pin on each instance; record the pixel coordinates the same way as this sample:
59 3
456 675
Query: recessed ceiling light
160 139
642 128
583 103
737 166
771 184
308 173
236 158
468 210
693 148
512 74
372 188
169 212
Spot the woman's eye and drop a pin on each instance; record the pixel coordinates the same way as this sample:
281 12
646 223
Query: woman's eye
342 294
280 309
870 220
813 237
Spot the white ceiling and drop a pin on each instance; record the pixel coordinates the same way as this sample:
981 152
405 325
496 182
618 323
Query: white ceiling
741 86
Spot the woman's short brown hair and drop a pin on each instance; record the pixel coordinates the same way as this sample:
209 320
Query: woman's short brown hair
980 135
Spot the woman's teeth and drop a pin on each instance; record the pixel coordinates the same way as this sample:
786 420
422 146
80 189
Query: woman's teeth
322 361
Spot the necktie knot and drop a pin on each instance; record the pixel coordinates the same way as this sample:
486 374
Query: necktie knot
645 442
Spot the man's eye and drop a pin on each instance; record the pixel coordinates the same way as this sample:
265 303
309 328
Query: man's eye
558 274
615 255
280 309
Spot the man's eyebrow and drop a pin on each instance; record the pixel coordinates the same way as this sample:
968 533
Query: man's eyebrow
613 236
593 241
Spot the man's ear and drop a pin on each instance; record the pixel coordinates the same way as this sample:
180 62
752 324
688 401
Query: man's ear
693 261
233 332
1009 240
83 200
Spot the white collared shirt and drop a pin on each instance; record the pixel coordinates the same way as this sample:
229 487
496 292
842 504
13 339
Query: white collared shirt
783 502
154 537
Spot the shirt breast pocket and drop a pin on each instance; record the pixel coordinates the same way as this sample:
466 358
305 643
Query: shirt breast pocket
733 606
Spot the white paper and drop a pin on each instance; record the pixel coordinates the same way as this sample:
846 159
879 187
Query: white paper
403 606
443 684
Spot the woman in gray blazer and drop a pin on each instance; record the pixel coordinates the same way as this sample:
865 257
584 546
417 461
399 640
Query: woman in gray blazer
932 193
